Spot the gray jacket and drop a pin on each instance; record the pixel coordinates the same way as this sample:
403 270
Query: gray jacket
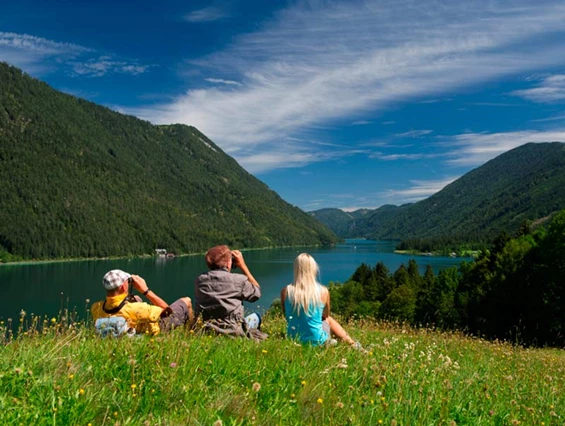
219 295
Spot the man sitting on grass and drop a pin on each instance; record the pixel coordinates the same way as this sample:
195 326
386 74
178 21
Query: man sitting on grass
139 316
219 295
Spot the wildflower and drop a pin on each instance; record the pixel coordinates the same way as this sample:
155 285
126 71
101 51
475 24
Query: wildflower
292 395
339 404
53 320
320 401
71 376
133 386
81 391
256 387
115 414
264 351
303 382
173 365
380 422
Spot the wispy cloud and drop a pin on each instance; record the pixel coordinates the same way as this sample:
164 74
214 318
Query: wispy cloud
39 45
207 14
31 53
413 134
471 149
361 123
222 81
549 89
98 67
321 61
419 190
37 54
296 154
554 118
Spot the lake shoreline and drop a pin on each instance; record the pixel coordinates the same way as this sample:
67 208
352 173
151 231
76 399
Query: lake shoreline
142 256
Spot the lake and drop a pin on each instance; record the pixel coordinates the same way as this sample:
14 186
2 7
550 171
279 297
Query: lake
46 288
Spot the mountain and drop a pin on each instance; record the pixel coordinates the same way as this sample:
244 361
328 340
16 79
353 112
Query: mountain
337 220
80 180
524 184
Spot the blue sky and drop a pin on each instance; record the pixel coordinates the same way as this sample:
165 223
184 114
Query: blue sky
343 104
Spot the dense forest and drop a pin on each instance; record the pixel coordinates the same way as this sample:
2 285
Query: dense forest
514 291
525 185
79 180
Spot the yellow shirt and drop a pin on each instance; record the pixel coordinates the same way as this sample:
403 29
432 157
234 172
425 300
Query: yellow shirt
139 315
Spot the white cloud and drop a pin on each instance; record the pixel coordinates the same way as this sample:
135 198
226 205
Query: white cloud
222 81
39 45
550 89
32 53
207 14
37 55
98 67
472 149
419 190
413 134
554 118
318 62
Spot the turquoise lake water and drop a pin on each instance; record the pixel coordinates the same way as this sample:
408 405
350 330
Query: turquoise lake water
45 288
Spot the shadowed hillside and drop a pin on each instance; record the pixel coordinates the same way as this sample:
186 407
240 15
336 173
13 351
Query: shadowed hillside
79 180
526 184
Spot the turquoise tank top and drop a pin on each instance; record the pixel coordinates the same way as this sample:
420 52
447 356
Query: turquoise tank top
305 328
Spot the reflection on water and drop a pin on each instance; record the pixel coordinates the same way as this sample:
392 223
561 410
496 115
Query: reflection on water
45 288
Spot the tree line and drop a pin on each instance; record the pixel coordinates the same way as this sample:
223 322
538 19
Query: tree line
515 290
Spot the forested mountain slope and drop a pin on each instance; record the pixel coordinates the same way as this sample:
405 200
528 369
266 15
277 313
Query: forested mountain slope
79 180
523 184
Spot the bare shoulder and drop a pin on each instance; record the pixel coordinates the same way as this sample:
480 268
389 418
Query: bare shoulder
325 294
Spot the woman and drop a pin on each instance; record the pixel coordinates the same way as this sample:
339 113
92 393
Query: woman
306 306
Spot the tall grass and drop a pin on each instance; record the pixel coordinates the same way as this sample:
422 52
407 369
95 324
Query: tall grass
57 372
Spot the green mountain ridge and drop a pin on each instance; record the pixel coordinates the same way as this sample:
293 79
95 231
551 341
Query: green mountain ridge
80 180
525 184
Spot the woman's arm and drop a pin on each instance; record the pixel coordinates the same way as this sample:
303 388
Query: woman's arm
283 298
325 296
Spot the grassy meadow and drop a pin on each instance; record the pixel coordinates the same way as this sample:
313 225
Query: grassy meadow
59 373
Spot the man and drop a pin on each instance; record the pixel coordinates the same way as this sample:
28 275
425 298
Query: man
140 316
219 294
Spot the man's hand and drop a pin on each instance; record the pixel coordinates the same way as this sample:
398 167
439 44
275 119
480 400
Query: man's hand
241 265
238 256
139 284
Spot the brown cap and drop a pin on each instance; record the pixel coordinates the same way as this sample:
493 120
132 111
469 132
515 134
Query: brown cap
218 257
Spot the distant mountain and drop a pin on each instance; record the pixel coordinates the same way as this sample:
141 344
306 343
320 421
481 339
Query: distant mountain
351 224
337 220
523 184
79 180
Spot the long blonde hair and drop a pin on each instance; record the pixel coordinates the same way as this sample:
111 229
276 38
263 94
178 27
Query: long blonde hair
304 291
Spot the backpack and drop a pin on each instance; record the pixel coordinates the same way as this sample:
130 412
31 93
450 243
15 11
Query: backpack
113 327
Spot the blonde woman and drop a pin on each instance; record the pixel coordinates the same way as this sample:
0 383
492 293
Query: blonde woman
306 307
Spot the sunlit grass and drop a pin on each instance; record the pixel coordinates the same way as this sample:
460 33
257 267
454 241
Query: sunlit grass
59 372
